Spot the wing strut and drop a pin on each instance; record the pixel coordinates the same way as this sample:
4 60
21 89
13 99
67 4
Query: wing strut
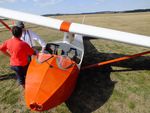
5 25
115 60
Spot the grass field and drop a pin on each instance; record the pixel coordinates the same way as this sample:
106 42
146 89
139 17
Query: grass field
117 88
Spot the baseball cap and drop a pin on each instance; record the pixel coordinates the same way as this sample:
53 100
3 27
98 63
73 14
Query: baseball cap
20 24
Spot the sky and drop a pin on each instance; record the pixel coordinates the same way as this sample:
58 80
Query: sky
73 6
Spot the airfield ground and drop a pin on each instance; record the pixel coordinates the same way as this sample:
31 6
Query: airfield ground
128 91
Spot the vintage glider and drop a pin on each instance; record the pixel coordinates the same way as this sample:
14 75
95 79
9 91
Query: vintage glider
52 76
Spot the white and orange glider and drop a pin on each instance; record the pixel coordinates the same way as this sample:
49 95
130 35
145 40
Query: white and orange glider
51 77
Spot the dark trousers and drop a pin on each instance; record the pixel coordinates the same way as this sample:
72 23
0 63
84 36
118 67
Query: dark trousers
20 73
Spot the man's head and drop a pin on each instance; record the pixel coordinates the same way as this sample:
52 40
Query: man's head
17 31
20 24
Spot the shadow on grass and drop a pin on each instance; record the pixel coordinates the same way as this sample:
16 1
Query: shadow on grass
93 89
94 86
7 76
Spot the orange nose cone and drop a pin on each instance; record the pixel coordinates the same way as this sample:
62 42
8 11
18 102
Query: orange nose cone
50 83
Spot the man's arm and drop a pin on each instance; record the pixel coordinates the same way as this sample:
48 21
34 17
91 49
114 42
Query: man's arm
3 48
29 50
38 39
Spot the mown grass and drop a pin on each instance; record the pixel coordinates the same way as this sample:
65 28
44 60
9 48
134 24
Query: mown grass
129 88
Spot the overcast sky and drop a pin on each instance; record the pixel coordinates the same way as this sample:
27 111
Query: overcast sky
73 6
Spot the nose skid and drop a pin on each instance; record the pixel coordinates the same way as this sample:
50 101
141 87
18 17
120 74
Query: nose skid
36 106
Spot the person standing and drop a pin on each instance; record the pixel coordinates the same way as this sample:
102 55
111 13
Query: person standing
18 51
30 37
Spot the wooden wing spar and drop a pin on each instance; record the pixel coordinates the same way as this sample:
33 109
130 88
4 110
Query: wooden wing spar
87 30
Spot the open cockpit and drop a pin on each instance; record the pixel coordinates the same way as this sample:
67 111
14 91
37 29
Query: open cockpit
63 49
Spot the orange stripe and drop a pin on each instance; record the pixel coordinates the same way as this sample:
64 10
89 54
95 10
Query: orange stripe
65 26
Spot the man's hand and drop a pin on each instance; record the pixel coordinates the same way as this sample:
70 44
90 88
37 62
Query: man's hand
43 49
6 53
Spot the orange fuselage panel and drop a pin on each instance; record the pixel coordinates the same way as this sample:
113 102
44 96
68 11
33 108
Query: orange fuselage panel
48 84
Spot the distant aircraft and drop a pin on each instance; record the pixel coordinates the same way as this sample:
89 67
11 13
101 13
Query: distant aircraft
52 76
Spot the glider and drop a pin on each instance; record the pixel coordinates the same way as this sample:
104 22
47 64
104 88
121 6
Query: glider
52 76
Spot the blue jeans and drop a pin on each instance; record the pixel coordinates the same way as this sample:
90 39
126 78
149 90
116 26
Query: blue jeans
20 73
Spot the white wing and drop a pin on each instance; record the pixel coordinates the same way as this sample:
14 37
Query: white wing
88 30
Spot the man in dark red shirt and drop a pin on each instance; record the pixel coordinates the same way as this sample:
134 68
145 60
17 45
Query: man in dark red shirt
19 52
